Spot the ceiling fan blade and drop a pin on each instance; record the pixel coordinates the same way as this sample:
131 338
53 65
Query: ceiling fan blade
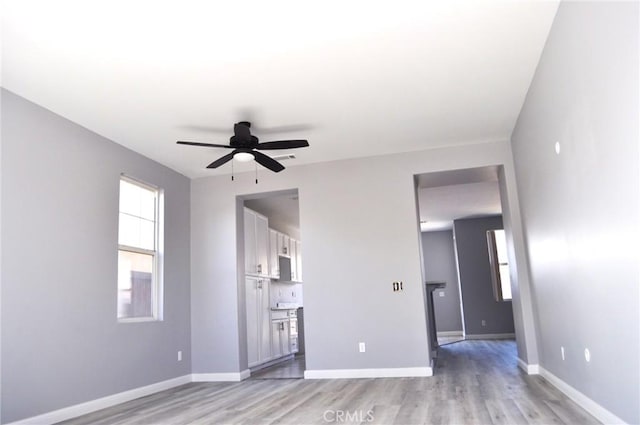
207 145
267 162
222 160
283 144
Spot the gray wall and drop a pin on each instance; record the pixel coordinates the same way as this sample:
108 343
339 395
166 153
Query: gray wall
522 303
440 265
61 343
581 208
360 228
478 302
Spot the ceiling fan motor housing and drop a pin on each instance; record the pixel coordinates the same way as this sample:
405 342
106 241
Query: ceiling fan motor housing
242 137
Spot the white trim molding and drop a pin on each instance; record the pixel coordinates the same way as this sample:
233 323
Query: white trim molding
449 333
490 336
102 403
600 413
529 369
400 372
221 377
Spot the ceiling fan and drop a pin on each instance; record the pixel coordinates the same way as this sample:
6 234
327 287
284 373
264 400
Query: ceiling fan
246 147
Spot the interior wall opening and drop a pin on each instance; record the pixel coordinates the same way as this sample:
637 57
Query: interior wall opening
270 285
460 211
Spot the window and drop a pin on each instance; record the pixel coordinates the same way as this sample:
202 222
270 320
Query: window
499 262
139 248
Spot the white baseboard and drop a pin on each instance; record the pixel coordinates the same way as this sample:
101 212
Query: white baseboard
530 369
490 336
600 413
449 333
245 374
221 377
400 372
102 403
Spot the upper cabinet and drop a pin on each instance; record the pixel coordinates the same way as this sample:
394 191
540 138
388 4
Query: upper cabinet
274 270
298 261
256 243
281 244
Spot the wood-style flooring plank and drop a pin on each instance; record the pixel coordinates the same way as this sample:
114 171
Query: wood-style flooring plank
474 382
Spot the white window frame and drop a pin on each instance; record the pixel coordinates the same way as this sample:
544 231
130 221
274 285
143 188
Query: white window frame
496 277
157 287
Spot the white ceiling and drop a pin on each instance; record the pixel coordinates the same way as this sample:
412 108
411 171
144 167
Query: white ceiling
283 209
439 206
450 195
365 77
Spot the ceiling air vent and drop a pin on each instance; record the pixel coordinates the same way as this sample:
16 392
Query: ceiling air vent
283 157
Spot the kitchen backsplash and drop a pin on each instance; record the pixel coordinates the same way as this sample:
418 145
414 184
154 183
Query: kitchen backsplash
286 293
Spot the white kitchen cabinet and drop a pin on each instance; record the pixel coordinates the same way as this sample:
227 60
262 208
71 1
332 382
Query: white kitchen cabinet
283 244
298 261
295 248
280 340
256 243
274 270
258 321
249 242
294 265
276 346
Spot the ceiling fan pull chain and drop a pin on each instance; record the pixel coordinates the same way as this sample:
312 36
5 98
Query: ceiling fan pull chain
256 164
232 170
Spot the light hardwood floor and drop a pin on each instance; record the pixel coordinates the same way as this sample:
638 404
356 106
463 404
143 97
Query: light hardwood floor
475 382
288 369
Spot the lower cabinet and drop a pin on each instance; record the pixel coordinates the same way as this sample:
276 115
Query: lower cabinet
271 334
280 338
258 321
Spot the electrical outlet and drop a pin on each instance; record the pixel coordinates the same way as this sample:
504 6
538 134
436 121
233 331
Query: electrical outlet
179 355
361 347
587 355
441 293
484 323
562 352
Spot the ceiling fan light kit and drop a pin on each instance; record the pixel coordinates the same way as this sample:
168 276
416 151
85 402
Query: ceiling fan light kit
243 157
247 147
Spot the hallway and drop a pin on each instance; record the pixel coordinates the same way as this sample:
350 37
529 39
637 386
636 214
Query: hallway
475 382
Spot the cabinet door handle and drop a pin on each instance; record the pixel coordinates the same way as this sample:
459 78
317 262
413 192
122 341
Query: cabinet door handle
259 268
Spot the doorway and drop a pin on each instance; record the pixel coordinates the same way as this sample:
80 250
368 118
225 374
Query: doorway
273 289
457 208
